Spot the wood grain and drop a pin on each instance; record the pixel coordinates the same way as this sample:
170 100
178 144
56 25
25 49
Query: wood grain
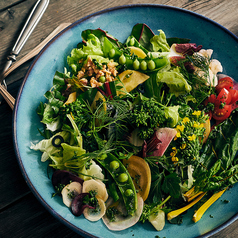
21 214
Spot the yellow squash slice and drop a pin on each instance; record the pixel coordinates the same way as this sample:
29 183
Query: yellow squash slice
139 170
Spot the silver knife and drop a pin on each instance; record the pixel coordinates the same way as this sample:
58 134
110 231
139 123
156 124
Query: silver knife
33 19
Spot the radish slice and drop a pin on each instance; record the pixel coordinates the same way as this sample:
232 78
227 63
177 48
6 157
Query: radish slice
123 222
91 215
70 191
95 185
158 220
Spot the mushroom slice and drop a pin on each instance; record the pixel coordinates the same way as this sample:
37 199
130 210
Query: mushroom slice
95 214
70 191
121 221
98 187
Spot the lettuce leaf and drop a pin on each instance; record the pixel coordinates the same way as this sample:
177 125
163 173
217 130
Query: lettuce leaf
175 81
93 47
159 42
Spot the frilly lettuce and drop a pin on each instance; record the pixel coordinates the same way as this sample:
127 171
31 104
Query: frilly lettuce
93 48
159 42
175 81
172 114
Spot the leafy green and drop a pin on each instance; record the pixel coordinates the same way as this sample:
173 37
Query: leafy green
159 42
175 81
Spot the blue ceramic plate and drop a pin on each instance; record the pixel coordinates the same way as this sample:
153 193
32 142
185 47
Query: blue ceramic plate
118 22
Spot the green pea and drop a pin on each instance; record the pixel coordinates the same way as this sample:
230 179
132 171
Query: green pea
143 65
151 65
122 178
102 79
112 53
114 165
136 64
122 59
103 157
129 192
132 42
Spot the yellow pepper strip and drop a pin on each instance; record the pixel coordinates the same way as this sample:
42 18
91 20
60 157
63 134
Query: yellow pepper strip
189 193
179 211
189 199
199 213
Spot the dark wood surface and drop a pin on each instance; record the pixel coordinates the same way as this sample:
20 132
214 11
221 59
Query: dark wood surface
21 214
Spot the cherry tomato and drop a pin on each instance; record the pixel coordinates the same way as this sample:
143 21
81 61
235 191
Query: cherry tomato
220 114
234 95
223 97
225 82
211 99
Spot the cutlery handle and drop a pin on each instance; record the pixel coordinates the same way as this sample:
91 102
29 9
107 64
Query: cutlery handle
7 96
29 26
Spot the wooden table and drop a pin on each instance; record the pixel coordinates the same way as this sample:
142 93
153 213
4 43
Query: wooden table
21 215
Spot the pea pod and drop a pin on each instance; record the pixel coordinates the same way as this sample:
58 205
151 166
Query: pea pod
108 47
123 186
135 43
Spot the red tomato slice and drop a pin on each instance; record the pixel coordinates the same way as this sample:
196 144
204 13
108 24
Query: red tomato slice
225 82
223 97
221 114
234 95
211 99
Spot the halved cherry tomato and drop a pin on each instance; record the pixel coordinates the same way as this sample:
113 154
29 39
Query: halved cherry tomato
212 98
223 97
221 114
225 82
234 95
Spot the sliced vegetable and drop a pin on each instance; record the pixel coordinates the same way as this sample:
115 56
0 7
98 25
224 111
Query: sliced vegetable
158 220
140 172
120 220
137 51
98 187
222 114
95 214
72 98
131 79
225 82
70 191
78 205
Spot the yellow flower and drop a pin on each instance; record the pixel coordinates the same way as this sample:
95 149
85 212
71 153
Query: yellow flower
197 113
196 125
193 137
180 128
174 148
201 125
175 159
178 135
173 153
185 120
183 146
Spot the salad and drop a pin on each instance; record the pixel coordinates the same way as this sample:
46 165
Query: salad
140 130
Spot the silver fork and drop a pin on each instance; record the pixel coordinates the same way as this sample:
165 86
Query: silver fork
33 19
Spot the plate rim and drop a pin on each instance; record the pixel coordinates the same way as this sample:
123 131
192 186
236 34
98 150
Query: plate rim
14 128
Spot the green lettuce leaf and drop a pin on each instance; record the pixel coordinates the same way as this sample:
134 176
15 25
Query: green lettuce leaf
159 42
175 81
172 114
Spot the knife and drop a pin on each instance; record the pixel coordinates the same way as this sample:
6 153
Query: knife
33 19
